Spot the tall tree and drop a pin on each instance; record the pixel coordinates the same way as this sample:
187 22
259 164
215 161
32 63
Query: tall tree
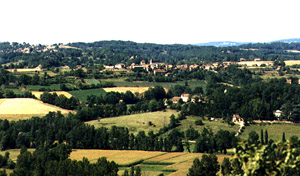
266 137
262 136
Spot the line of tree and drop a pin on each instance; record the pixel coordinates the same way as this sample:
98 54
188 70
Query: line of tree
54 127
55 161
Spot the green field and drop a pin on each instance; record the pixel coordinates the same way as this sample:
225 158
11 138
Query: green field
214 125
274 130
54 87
92 81
137 122
121 83
83 94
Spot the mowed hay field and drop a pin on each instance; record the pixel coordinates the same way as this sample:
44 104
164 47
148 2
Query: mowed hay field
122 157
124 89
137 122
150 162
38 94
292 62
24 108
131 89
24 70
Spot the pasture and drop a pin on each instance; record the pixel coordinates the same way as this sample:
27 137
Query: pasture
274 130
215 125
137 122
54 87
24 108
92 81
83 94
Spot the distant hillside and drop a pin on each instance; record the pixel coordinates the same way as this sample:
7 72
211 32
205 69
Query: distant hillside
231 43
221 44
292 40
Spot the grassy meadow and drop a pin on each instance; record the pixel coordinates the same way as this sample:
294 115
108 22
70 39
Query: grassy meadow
83 94
137 122
215 125
54 87
275 131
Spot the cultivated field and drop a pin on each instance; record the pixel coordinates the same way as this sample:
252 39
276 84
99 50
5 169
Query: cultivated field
150 162
38 94
13 153
124 89
137 122
122 157
25 70
24 108
291 62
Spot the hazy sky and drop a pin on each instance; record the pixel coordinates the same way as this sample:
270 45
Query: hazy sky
154 21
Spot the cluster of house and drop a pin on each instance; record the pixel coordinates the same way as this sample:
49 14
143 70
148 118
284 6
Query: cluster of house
289 81
162 68
185 98
237 119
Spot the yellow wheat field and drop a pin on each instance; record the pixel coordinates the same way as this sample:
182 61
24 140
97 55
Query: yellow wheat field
23 108
291 62
25 70
185 161
124 89
166 156
38 94
119 156
131 89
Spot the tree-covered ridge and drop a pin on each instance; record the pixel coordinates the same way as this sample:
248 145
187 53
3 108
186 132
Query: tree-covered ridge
113 52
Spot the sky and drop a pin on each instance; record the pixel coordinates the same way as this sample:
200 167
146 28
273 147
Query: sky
150 21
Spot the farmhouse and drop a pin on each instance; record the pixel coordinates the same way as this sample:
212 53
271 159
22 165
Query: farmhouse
159 72
175 100
278 113
236 118
119 66
182 67
289 81
184 97
191 67
109 66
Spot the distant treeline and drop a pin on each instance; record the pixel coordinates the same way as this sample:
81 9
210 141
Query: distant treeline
112 52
